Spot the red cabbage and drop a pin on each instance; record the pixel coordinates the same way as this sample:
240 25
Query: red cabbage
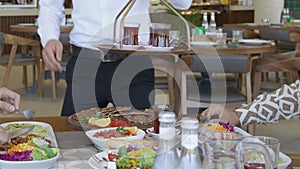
227 126
17 156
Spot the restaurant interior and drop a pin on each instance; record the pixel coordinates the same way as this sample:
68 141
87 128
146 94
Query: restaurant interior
268 28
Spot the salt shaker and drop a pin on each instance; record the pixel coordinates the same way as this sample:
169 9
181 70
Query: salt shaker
167 157
190 155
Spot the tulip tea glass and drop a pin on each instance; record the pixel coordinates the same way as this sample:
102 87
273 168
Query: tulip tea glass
131 31
159 34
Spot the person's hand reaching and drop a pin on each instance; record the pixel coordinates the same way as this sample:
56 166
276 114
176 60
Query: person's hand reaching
52 55
216 113
9 100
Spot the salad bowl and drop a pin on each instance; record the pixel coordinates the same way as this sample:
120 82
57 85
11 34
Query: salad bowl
44 130
101 143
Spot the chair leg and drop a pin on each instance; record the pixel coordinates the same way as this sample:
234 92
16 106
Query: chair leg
251 129
10 64
53 85
248 87
292 76
25 80
40 77
266 77
277 78
240 81
6 76
257 84
33 74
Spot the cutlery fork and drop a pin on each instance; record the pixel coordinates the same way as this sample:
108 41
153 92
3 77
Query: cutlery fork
107 165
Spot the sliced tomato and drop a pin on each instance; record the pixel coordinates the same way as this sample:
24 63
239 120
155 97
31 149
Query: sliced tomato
119 123
111 157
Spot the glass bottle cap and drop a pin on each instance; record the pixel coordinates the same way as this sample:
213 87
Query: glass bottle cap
189 123
167 117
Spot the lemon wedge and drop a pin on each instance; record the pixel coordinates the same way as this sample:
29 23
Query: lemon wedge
131 129
103 122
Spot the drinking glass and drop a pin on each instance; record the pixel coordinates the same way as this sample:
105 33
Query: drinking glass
159 34
174 37
236 36
131 31
224 154
221 39
273 146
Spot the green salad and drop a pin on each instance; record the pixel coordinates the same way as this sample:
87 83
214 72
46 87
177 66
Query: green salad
37 130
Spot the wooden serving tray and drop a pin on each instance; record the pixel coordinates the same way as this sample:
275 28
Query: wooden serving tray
142 119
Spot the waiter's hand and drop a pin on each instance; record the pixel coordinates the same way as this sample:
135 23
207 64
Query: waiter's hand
52 55
9 100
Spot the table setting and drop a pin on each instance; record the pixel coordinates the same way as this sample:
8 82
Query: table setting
80 144
122 137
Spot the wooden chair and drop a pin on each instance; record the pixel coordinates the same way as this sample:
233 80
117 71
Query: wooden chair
285 62
195 95
23 58
283 44
67 54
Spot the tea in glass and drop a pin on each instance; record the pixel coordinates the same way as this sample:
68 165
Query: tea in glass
131 31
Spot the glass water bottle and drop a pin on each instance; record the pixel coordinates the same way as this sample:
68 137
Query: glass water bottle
212 24
190 155
167 157
205 21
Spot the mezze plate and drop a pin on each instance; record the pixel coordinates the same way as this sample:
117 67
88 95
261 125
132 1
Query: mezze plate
41 164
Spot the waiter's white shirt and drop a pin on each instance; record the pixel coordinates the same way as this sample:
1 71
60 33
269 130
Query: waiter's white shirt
93 19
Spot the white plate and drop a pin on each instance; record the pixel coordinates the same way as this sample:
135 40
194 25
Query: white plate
101 143
150 131
130 47
203 43
96 165
26 24
42 164
254 41
153 48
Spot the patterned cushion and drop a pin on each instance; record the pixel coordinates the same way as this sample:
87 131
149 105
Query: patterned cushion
269 108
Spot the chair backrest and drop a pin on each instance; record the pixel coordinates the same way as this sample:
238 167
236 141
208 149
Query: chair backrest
220 64
282 38
288 62
275 34
1 38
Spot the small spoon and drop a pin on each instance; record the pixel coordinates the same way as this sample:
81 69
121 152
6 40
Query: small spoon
28 114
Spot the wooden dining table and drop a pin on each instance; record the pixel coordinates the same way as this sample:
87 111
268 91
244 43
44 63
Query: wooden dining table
32 28
169 58
292 28
75 147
